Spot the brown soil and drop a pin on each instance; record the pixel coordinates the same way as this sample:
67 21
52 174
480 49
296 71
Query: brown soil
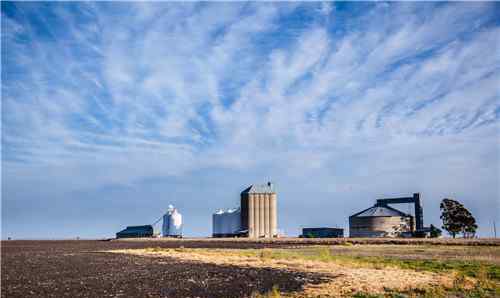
340 279
73 268
78 269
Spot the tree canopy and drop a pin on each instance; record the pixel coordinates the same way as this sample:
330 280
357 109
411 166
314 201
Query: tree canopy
457 219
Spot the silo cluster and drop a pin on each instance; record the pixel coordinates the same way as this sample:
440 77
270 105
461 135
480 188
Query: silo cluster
226 223
172 223
256 217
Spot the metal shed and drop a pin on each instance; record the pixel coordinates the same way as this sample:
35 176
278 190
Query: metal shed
322 233
136 232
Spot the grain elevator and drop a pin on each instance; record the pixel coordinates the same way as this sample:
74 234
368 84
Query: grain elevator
259 211
172 223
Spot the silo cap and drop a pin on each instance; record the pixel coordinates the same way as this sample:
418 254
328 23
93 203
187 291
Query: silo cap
260 188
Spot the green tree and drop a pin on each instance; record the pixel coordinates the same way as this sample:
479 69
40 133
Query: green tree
435 232
457 219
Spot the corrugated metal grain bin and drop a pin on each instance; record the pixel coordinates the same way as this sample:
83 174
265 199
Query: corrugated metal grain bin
380 221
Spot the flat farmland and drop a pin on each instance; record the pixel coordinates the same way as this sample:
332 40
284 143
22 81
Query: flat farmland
247 268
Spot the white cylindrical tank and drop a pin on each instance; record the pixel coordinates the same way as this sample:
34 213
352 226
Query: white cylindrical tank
234 220
172 223
226 223
217 218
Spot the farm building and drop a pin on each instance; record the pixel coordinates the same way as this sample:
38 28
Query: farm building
136 232
322 233
381 220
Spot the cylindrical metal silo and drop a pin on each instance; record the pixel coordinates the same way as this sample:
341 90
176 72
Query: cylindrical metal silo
379 221
229 222
217 223
176 223
235 220
172 223
225 223
215 228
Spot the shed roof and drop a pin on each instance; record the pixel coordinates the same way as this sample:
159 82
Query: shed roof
260 188
380 211
136 229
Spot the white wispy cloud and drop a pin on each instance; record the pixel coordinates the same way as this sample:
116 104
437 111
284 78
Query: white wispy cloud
113 94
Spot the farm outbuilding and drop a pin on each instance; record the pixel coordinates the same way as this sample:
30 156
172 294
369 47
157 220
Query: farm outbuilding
322 233
136 232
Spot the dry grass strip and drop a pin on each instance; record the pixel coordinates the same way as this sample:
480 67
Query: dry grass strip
346 278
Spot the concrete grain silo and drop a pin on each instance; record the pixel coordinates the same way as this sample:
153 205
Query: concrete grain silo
259 211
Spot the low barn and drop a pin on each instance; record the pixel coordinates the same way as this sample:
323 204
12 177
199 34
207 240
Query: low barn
322 233
136 232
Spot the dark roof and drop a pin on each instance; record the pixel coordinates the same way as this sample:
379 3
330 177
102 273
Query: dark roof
323 228
260 188
378 210
136 229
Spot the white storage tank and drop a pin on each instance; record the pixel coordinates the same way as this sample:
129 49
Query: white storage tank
172 223
226 223
233 221
217 222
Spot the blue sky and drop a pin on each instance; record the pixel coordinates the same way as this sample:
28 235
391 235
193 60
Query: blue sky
112 111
